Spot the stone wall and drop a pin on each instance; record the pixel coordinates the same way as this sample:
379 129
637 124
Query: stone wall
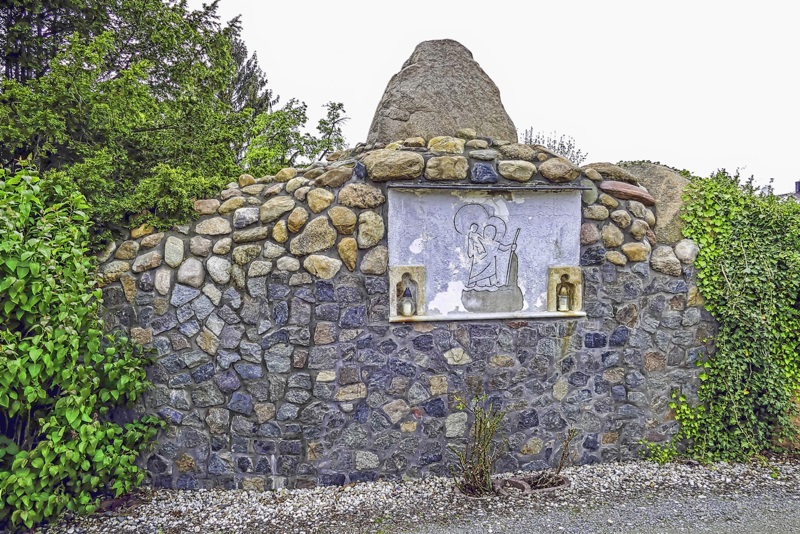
277 366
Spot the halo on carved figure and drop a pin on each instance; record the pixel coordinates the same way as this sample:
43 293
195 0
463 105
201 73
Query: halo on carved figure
483 216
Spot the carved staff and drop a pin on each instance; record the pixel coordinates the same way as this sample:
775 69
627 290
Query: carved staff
508 272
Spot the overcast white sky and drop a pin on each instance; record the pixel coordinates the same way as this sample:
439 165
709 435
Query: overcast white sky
696 84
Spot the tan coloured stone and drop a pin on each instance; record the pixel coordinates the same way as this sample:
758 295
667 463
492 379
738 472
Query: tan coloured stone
199 246
127 250
191 273
142 230
295 183
477 144
163 281
532 446
348 251
655 361
213 226
438 385
636 251
637 209
622 218
612 236
414 142
592 174
297 219
231 205
664 261
246 253
343 219
447 168
105 254
245 180
301 193
610 172
288 264
694 298
457 356
650 217
208 342
687 250
383 165
408 427
207 206
517 151
274 190
322 266
326 376
614 376
128 286
375 261
314 173
360 195
351 392
589 234
501 361
275 207
152 240
446 145
617 258
250 235
560 389
590 194
223 246
371 229
639 229
516 170
256 189
625 191
316 237
595 212
142 336
608 201
324 334
259 268
396 410
284 175
319 199
280 233
559 170
148 261
335 177
466 133
610 438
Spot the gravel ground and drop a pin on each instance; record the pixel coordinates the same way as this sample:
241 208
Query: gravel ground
630 497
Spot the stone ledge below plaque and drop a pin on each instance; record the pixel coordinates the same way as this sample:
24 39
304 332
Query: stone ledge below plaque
486 316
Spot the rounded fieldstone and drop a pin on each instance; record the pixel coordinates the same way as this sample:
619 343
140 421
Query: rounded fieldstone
173 251
636 251
348 251
639 229
219 269
245 180
447 168
191 273
627 191
275 207
280 233
297 219
334 177
376 261
589 234
637 209
206 206
319 199
559 170
259 268
595 212
295 183
322 266
223 246
622 218
343 219
287 263
362 196
284 175
383 165
199 246
370 229
612 236
244 217
444 144
272 251
608 201
213 226
589 196
617 258
316 237
148 261
246 253
663 260
686 250
231 205
518 151
127 250
516 170
163 281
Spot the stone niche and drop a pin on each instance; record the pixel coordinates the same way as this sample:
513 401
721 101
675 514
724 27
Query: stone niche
482 253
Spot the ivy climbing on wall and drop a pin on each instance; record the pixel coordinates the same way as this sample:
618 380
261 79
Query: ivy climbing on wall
748 271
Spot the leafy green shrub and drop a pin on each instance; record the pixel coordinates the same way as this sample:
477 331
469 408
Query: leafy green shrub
748 270
59 373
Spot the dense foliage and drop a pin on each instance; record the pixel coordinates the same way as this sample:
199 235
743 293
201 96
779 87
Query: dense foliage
59 373
563 145
111 96
748 270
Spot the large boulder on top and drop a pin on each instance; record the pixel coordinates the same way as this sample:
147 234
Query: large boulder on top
666 185
440 89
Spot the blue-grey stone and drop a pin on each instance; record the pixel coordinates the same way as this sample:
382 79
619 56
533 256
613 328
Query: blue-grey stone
250 352
279 358
619 336
144 298
241 403
610 359
300 380
183 294
249 371
172 363
483 173
552 421
435 407
323 357
327 312
629 411
593 256
232 298
376 285
185 313
244 464
324 290
203 373
280 314
403 368
203 307
228 315
230 336
417 394
146 316
301 312
353 317
171 416
186 482
618 392
287 412
225 358
244 217
257 286
359 171
595 340
676 286
168 321
423 343
634 379
180 380
218 466
305 294
228 382
578 379
189 328
146 281
278 291
264 446
528 419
